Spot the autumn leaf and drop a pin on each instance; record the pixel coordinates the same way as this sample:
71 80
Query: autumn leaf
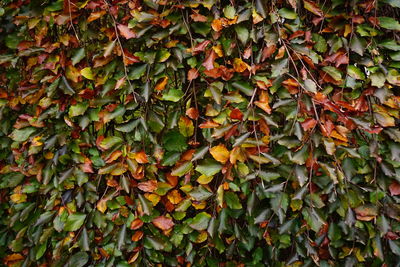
192 74
220 153
209 61
394 188
126 32
148 186
239 65
163 223
161 84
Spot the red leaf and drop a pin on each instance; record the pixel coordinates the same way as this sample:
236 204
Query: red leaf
163 223
267 52
394 188
126 32
236 114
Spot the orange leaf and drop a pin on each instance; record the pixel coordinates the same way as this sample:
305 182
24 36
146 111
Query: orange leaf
163 223
198 17
136 224
192 113
95 15
174 197
216 25
161 84
220 153
141 157
137 236
239 65
193 74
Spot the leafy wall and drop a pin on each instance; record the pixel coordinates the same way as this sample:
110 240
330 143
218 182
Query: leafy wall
199 133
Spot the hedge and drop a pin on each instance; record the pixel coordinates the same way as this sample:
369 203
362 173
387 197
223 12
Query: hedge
199 133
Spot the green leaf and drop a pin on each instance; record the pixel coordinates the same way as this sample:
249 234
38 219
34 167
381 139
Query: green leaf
78 109
333 72
209 167
173 95
200 193
74 221
287 13
137 72
110 141
21 135
182 169
244 87
11 179
358 45
232 200
174 141
389 23
78 56
200 221
242 33
279 68
79 259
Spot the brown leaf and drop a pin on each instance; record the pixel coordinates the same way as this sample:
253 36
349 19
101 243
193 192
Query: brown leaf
308 124
95 15
394 188
366 212
198 17
126 32
148 186
313 8
200 47
236 114
192 113
163 223
209 61
267 52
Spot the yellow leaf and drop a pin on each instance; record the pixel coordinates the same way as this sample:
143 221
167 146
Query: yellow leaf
220 153
18 198
199 206
102 205
256 17
87 73
239 65
237 155
153 198
220 196
218 50
201 237
203 179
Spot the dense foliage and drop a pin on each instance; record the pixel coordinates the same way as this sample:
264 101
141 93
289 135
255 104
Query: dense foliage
203 133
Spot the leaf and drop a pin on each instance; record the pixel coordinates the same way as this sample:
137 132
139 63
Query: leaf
232 200
358 45
161 84
78 109
163 223
287 13
126 32
242 33
87 73
78 56
366 212
200 221
74 221
110 141
174 141
79 259
389 23
182 169
220 153
21 135
313 8
209 167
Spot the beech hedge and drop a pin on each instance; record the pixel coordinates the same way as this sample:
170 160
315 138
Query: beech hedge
199 133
